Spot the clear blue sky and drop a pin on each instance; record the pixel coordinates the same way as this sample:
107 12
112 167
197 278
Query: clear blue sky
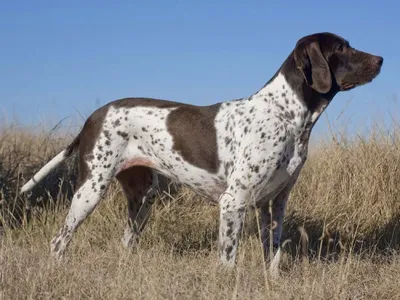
59 58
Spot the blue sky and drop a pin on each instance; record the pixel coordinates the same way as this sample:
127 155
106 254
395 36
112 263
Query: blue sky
65 59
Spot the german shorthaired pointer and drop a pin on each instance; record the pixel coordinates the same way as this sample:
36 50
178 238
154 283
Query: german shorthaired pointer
239 152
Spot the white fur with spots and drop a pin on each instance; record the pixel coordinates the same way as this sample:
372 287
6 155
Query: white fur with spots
259 149
260 145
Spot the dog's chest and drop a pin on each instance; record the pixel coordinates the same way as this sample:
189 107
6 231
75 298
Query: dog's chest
270 189
265 145
283 171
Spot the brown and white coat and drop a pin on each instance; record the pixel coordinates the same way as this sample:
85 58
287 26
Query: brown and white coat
242 152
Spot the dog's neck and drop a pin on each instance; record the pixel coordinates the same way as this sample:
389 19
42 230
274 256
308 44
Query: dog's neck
290 82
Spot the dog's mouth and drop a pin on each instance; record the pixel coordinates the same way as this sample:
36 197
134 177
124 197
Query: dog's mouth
368 77
348 86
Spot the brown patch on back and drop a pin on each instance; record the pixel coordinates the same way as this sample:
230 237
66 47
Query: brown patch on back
133 102
195 136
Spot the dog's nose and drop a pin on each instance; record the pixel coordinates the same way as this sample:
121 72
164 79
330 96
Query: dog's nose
378 60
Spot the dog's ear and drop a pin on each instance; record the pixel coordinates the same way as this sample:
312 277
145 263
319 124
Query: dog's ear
313 65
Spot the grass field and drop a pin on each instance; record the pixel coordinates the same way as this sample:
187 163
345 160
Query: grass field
342 221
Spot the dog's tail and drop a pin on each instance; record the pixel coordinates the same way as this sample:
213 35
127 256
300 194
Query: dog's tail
47 168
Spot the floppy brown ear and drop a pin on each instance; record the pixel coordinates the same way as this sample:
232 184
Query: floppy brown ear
313 66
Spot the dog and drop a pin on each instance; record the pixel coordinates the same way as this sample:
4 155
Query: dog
242 152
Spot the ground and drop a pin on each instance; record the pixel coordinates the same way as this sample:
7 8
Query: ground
342 223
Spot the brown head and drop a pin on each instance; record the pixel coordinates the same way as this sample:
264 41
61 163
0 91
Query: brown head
327 64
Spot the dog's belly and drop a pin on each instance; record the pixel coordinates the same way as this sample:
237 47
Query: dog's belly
200 181
208 185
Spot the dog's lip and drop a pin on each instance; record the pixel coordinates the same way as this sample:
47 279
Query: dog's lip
347 86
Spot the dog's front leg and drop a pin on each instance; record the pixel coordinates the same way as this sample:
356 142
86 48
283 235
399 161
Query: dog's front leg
272 223
232 211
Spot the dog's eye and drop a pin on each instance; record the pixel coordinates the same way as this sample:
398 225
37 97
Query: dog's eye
340 48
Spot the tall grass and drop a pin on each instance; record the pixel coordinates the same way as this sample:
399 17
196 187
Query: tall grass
342 222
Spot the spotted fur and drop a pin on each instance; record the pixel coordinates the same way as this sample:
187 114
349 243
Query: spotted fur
237 153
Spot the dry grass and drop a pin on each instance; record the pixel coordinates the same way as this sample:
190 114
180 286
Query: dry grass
346 205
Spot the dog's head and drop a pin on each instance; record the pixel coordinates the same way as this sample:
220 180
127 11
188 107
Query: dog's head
328 62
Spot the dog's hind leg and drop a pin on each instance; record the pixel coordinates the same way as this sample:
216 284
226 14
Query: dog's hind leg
83 203
94 179
140 188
